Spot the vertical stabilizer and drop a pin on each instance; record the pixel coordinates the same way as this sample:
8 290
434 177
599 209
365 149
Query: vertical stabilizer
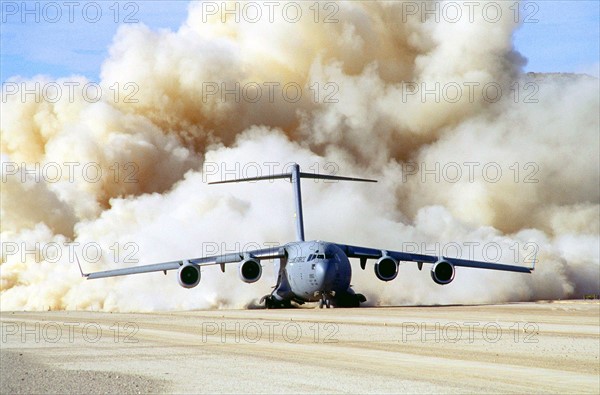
298 202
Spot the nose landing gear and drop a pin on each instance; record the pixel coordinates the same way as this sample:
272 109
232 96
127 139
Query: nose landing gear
326 298
324 302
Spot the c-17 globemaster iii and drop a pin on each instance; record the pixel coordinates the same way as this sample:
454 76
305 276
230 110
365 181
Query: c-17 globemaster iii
310 271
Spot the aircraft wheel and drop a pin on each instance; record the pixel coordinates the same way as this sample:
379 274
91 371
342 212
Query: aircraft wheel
328 303
269 302
321 303
361 298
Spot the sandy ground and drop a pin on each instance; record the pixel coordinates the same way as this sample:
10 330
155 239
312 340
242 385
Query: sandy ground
524 347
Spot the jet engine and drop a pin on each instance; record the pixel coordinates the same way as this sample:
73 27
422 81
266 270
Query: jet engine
386 268
188 275
250 270
442 272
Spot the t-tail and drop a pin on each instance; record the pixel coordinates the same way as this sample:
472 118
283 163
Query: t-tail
294 176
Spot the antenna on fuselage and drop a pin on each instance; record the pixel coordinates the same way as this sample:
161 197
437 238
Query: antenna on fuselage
294 176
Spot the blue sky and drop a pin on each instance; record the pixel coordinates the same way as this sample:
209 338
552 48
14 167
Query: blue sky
562 36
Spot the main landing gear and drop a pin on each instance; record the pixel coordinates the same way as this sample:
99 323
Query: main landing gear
273 303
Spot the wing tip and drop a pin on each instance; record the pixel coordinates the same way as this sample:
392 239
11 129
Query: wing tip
85 275
533 262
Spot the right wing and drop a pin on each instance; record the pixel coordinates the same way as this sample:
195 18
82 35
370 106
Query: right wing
265 253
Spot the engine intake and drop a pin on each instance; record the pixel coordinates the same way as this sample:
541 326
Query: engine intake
442 272
250 270
188 275
386 268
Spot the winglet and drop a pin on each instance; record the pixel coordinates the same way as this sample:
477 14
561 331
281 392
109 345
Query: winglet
80 270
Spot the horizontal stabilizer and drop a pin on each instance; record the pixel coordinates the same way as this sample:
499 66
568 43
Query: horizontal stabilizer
289 176
272 177
330 177
294 177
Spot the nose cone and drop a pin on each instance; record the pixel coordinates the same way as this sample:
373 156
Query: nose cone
324 274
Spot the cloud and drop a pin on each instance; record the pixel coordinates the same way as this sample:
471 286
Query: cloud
410 104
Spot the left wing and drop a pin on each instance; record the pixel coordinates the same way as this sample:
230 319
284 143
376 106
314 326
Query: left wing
444 265
258 255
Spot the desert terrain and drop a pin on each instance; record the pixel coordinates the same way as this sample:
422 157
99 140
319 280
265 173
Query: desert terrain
543 347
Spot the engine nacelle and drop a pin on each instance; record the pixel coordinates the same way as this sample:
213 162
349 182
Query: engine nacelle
442 272
250 270
386 268
188 275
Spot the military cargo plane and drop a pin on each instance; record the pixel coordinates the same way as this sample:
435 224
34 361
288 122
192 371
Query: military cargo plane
309 271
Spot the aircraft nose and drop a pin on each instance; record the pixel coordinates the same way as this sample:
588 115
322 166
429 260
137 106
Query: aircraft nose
324 273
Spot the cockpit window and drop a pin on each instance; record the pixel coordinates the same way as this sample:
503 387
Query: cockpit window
319 256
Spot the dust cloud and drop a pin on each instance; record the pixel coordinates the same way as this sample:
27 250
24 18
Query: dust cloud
474 158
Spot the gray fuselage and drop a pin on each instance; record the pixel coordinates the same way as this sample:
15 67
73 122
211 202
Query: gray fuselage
313 269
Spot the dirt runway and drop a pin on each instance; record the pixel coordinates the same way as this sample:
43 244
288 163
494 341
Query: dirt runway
544 347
